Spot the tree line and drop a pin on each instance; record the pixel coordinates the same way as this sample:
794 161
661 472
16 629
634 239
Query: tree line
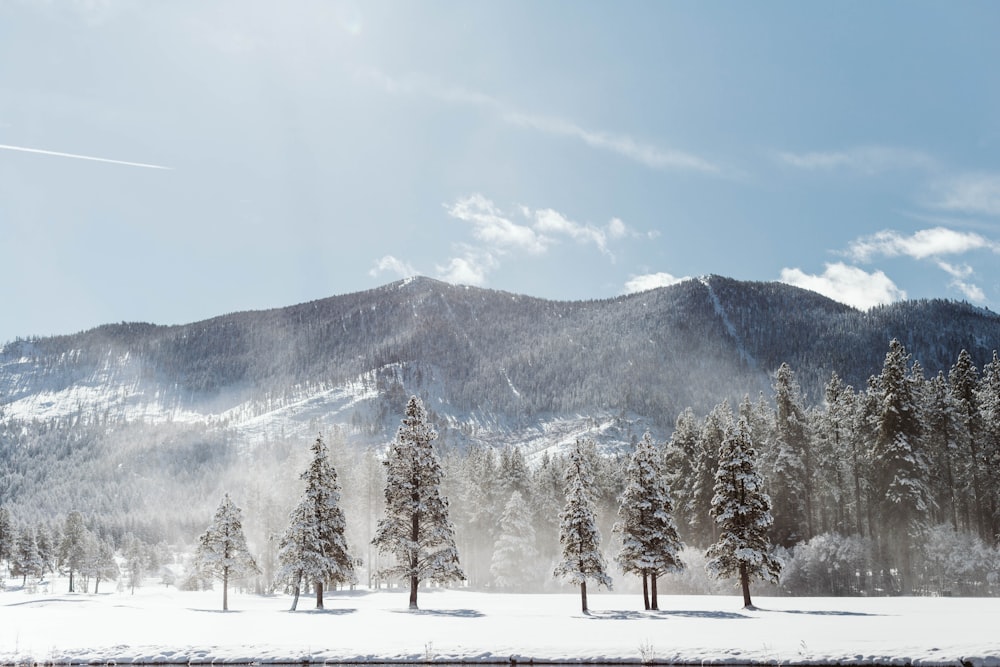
880 490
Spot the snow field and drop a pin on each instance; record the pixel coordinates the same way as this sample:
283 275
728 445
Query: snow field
163 625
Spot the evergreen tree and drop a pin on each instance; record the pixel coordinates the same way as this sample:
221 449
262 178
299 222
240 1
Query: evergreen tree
313 547
718 422
650 543
742 509
578 533
989 401
899 467
789 464
678 465
514 553
416 529
134 552
222 549
26 562
970 469
100 564
7 537
46 549
73 548
943 433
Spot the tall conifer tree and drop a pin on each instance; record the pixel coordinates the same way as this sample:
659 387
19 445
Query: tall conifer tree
313 548
578 533
650 543
742 509
416 528
222 549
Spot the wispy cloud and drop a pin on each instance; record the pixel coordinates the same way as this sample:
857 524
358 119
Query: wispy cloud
922 244
847 284
864 159
491 226
976 194
626 146
390 264
75 156
522 232
650 281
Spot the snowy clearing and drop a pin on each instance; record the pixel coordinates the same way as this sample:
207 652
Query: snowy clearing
163 625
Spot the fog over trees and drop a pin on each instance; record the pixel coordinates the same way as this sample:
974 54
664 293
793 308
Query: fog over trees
875 435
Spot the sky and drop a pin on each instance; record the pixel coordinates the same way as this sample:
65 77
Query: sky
169 162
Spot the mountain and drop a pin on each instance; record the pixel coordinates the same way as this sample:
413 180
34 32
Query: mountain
493 368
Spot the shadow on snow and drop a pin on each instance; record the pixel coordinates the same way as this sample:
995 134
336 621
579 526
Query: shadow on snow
450 613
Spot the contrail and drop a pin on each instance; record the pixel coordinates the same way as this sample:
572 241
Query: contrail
81 157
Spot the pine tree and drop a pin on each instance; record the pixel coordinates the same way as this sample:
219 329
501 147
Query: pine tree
989 401
578 533
134 552
899 467
416 529
514 553
73 548
26 561
222 549
970 468
718 422
650 543
790 465
101 564
678 465
313 548
742 509
7 537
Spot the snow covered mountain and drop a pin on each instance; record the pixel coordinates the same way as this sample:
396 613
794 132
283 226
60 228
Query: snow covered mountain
183 410
491 365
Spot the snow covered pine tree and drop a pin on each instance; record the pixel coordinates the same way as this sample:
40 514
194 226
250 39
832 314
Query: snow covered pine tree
650 543
742 510
313 547
222 549
578 533
416 529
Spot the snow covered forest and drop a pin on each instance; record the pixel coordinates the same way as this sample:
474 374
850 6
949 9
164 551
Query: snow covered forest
883 489
877 459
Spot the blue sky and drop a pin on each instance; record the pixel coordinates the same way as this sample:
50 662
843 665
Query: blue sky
261 154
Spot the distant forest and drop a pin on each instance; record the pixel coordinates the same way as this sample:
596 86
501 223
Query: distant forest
878 456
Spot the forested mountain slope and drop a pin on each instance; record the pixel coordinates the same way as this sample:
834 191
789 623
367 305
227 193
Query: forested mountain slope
503 359
138 422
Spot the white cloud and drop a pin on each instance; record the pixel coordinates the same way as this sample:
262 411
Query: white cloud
492 227
865 159
971 292
470 269
920 245
975 194
617 228
389 264
554 222
621 144
847 284
651 281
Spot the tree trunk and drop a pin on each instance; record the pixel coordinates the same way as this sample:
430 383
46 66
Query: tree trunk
414 539
319 594
71 581
645 589
745 583
656 604
295 599
583 597
414 584
97 583
225 589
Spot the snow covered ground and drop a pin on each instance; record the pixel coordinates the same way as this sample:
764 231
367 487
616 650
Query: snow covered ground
163 625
